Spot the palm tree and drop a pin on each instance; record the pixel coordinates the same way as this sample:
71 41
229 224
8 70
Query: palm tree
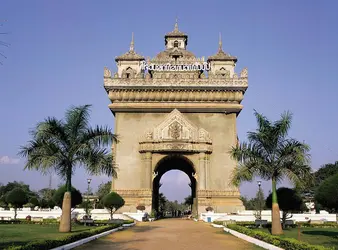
188 201
271 155
63 145
161 201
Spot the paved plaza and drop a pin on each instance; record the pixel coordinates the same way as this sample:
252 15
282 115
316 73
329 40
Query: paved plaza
169 234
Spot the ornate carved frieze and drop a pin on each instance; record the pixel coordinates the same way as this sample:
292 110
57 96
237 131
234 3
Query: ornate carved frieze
179 79
176 134
174 147
218 193
134 192
174 95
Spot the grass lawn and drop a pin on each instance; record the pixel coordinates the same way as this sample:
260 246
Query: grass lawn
20 234
327 237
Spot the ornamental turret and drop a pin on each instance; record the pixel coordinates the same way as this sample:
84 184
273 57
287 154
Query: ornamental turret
222 64
129 64
176 39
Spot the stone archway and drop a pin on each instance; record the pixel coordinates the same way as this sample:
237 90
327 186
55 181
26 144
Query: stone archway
173 162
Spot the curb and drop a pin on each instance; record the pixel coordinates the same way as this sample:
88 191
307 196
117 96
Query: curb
252 240
91 238
216 225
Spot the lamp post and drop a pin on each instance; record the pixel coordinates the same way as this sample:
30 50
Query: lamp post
259 199
87 204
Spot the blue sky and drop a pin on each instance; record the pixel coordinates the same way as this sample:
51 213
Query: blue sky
58 50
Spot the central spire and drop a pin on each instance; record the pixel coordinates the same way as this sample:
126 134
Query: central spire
176 25
132 42
220 45
131 48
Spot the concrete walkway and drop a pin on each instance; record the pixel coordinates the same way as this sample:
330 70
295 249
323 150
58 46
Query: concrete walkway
169 234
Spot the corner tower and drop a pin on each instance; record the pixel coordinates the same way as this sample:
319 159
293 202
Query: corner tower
178 114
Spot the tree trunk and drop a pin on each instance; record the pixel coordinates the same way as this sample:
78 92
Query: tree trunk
111 214
15 213
65 222
276 227
284 214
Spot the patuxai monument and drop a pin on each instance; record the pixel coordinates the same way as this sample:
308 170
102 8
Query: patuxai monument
176 111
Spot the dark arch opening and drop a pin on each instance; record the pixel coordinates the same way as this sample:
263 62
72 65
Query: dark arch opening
176 44
172 162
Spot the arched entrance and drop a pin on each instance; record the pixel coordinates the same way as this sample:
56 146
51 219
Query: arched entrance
173 162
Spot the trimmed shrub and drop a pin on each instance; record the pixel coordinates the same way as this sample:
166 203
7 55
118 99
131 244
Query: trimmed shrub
113 201
209 209
285 243
141 207
76 197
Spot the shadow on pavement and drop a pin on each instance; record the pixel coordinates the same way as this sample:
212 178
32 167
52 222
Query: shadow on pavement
109 244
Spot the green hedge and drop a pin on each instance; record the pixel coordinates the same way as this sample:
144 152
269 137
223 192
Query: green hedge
285 243
23 221
48 244
251 224
325 225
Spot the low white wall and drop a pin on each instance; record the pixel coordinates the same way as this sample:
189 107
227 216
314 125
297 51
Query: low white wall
266 215
96 214
136 216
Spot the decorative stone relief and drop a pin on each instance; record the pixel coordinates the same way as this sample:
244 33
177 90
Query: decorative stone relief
107 72
244 73
176 133
177 127
212 80
175 130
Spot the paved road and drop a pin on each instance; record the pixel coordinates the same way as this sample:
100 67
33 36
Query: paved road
169 234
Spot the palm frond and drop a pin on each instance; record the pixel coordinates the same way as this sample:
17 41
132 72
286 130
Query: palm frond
262 121
51 129
77 120
98 161
282 126
99 136
294 161
240 174
41 155
251 160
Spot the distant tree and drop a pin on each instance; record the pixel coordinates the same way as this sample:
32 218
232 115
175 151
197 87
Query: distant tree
46 198
254 203
43 203
16 198
15 184
289 201
46 193
103 190
259 203
188 201
113 201
318 177
162 200
249 204
327 194
59 194
34 201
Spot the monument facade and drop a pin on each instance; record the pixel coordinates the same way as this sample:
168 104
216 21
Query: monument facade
176 111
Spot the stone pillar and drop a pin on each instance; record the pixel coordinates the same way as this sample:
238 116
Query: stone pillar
194 207
113 150
207 171
202 172
148 176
